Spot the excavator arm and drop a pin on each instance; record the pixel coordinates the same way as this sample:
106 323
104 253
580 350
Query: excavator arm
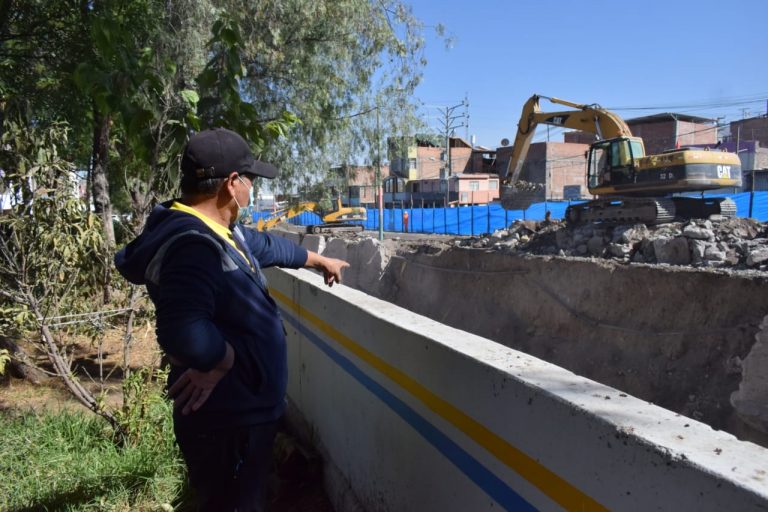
587 118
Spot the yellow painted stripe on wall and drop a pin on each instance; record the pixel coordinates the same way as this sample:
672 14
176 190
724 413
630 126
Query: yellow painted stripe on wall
545 480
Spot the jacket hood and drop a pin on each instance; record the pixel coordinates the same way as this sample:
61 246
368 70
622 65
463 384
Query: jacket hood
162 224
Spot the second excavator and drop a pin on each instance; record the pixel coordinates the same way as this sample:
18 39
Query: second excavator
630 186
340 219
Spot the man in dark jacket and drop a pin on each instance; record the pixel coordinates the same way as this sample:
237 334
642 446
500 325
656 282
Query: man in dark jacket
216 320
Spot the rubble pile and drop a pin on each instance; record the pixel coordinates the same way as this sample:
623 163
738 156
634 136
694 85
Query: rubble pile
527 186
731 243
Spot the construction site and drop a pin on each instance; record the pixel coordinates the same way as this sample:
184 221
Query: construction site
596 354
672 315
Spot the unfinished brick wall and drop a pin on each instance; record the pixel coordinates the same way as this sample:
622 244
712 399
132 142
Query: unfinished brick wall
566 167
557 164
428 162
579 137
460 158
755 128
696 133
659 136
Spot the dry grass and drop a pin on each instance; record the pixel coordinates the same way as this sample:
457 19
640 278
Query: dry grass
101 379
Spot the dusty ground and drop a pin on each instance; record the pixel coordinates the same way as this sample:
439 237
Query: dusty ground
297 483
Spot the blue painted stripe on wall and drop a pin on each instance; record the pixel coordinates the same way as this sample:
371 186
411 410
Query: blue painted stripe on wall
479 474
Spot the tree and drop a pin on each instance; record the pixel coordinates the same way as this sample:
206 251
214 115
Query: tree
51 248
335 64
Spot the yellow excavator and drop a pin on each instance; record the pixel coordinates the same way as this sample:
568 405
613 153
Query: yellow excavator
338 220
630 186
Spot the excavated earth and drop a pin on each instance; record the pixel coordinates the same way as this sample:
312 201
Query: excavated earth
671 314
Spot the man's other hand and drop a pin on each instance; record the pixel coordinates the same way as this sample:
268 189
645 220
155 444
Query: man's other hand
193 387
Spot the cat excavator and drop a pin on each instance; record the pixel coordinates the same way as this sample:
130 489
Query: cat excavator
630 186
337 220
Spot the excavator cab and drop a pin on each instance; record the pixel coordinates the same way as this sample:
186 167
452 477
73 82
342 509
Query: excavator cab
612 161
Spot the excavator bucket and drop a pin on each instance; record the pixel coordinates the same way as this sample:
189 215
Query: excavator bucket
521 195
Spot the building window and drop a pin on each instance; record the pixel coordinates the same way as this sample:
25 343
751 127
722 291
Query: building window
493 184
413 163
474 185
464 197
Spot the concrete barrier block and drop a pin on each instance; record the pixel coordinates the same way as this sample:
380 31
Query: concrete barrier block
315 243
290 235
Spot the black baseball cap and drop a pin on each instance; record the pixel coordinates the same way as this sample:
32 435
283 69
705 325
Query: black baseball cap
218 152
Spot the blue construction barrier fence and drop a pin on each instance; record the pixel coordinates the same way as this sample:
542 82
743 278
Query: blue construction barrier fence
478 220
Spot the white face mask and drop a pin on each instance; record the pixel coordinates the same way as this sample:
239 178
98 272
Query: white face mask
243 211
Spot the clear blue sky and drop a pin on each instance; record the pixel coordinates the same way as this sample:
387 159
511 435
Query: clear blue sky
700 57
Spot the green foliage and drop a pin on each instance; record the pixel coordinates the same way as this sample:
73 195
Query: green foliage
145 412
222 102
339 65
52 248
67 461
138 86
303 80
5 357
71 461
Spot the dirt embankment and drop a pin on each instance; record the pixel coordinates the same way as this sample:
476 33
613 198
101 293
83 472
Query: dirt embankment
674 335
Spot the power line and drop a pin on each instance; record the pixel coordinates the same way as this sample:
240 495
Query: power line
725 102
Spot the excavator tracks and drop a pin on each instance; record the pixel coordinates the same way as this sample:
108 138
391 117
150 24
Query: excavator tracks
334 228
702 208
648 210
623 210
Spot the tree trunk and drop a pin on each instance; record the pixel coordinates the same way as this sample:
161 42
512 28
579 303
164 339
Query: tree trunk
102 204
21 365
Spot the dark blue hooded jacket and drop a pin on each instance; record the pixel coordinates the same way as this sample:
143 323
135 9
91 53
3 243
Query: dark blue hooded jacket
205 293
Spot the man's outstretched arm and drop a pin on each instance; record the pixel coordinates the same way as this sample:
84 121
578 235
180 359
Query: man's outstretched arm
330 267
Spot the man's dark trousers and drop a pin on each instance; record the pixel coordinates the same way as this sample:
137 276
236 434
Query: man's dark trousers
228 468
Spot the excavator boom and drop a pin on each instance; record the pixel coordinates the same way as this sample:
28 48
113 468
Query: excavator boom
587 118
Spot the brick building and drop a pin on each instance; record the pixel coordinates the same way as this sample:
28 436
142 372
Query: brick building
359 183
459 189
661 132
424 157
561 166
753 128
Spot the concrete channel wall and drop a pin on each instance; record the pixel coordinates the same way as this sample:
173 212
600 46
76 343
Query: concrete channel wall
678 337
414 415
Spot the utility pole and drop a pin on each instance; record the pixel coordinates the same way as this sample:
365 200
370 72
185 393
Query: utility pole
717 127
466 115
448 128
